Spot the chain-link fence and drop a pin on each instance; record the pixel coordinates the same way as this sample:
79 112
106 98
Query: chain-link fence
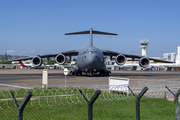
113 102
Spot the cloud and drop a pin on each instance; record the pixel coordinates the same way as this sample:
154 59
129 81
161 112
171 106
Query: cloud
10 51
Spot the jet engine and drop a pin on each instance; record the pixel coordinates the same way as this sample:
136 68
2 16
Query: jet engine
37 61
144 62
60 59
120 59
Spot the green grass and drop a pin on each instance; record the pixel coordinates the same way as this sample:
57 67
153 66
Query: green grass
151 108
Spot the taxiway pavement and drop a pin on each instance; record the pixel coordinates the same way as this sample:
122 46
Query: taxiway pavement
31 78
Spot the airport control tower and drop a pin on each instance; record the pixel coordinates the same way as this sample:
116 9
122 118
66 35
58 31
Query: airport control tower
144 45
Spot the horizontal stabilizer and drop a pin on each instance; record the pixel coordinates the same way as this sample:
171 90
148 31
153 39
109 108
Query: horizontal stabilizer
82 32
104 33
91 32
88 32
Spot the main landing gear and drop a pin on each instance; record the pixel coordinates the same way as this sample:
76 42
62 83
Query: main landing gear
77 73
104 73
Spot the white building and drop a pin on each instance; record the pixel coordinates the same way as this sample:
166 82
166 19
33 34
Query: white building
178 56
170 56
175 57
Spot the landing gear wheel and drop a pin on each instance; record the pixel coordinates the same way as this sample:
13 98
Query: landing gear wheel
73 73
100 73
103 74
89 75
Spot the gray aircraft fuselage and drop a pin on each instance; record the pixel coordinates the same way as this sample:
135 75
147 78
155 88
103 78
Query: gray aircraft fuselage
90 59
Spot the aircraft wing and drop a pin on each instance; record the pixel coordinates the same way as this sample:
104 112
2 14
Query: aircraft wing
66 53
71 53
21 59
112 53
163 61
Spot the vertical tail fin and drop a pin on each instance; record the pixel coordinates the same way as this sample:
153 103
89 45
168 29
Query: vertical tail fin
21 63
91 37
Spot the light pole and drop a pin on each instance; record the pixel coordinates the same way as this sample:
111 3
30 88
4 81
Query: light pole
65 73
133 58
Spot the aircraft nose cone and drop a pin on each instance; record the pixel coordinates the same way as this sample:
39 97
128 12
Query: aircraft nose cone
91 60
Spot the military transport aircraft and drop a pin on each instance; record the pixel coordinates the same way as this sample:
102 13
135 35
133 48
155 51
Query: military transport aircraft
90 60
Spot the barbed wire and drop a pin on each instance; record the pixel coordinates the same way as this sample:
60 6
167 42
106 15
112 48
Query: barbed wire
71 95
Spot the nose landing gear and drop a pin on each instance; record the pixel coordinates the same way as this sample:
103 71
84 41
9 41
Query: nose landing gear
104 73
90 74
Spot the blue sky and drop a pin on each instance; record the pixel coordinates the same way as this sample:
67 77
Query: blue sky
37 27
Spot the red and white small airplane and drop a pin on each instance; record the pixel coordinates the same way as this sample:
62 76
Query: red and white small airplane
26 65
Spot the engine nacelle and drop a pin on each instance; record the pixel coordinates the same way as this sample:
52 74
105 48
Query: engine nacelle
60 59
37 61
120 59
144 62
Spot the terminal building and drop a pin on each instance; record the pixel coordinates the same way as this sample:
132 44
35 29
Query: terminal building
170 56
175 57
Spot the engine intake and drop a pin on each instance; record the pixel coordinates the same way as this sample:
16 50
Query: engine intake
144 62
37 61
120 59
60 59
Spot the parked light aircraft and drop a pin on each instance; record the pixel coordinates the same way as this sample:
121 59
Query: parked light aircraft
26 65
90 60
21 63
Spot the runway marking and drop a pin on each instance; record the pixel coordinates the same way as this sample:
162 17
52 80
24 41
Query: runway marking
15 86
30 80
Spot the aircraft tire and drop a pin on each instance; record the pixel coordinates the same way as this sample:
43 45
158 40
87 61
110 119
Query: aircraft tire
73 73
103 74
100 73
90 75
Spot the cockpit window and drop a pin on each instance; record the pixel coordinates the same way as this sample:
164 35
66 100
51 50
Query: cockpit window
89 52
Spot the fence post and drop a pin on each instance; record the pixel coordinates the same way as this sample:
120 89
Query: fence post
22 105
90 103
138 101
176 102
